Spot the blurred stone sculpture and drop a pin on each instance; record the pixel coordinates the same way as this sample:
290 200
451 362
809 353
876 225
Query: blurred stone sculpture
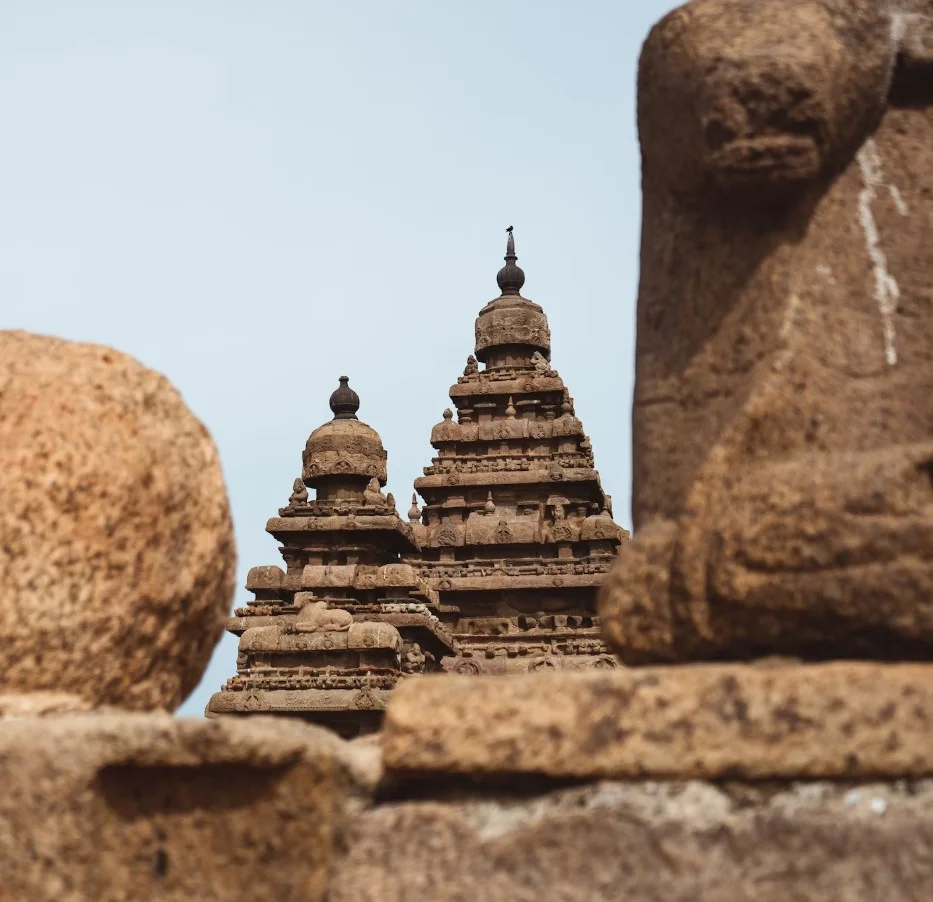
783 450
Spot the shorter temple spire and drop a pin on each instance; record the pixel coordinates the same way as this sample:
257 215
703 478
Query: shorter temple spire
511 277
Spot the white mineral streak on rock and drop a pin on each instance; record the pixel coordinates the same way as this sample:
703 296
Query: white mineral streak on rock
899 201
887 293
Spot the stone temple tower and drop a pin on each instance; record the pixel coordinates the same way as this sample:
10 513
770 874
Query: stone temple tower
516 533
327 638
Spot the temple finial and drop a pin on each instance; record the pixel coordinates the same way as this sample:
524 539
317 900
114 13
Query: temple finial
510 277
344 402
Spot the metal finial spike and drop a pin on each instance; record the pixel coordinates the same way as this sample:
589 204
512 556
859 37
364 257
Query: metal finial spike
510 277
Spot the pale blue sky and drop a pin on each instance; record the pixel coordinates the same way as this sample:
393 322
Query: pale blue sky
257 197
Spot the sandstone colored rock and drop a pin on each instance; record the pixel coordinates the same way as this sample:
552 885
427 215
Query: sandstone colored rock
756 722
44 704
147 807
782 499
680 842
116 544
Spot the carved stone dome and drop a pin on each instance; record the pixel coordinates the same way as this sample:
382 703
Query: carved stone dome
344 446
511 320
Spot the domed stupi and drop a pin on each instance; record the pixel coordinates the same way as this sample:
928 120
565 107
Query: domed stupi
327 638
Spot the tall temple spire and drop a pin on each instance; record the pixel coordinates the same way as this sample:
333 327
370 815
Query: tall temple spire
511 277
514 534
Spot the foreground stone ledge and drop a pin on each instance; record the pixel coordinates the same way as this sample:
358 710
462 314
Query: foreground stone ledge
147 807
782 721
677 842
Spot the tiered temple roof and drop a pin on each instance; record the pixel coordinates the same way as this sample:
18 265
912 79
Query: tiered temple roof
327 638
497 574
516 532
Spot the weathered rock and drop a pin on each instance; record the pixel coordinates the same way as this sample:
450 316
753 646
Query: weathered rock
144 806
44 704
690 842
116 545
777 721
783 499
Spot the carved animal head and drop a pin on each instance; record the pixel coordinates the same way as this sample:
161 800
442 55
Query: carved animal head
753 99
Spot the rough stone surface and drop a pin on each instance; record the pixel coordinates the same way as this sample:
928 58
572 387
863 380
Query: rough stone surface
690 842
116 545
44 704
783 721
783 499
147 807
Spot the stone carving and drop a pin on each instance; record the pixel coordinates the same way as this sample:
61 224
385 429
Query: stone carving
561 531
340 651
782 453
472 367
413 659
447 535
299 493
540 364
372 494
512 455
318 617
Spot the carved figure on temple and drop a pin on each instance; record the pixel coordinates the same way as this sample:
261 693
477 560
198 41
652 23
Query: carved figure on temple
448 534
783 459
413 659
540 363
561 531
472 367
318 617
299 493
372 495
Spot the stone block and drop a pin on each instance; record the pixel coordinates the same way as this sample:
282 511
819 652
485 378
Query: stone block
145 807
708 721
648 842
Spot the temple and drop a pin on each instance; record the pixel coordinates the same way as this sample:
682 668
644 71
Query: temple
516 533
496 574
327 638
